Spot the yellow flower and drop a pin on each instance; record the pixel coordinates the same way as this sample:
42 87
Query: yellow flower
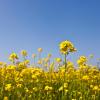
47 88
11 67
40 61
96 88
66 91
91 86
40 49
85 77
5 98
26 90
66 47
61 88
1 63
24 53
26 62
35 89
49 55
81 98
81 60
58 60
30 96
70 64
13 56
65 85
46 65
19 85
79 93
46 60
34 76
8 87
73 49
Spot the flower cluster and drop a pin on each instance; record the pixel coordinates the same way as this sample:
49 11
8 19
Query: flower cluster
47 79
66 47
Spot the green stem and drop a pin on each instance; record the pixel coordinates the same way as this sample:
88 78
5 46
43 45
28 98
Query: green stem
65 62
63 94
65 67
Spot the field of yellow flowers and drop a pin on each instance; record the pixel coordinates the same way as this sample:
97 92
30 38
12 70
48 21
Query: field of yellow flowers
21 80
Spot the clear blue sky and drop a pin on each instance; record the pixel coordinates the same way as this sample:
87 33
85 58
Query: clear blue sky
29 24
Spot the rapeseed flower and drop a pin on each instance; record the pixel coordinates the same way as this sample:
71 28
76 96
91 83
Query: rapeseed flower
13 56
40 49
24 53
8 87
5 98
48 88
66 47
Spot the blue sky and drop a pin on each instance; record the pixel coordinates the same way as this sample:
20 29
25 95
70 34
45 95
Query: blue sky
29 24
